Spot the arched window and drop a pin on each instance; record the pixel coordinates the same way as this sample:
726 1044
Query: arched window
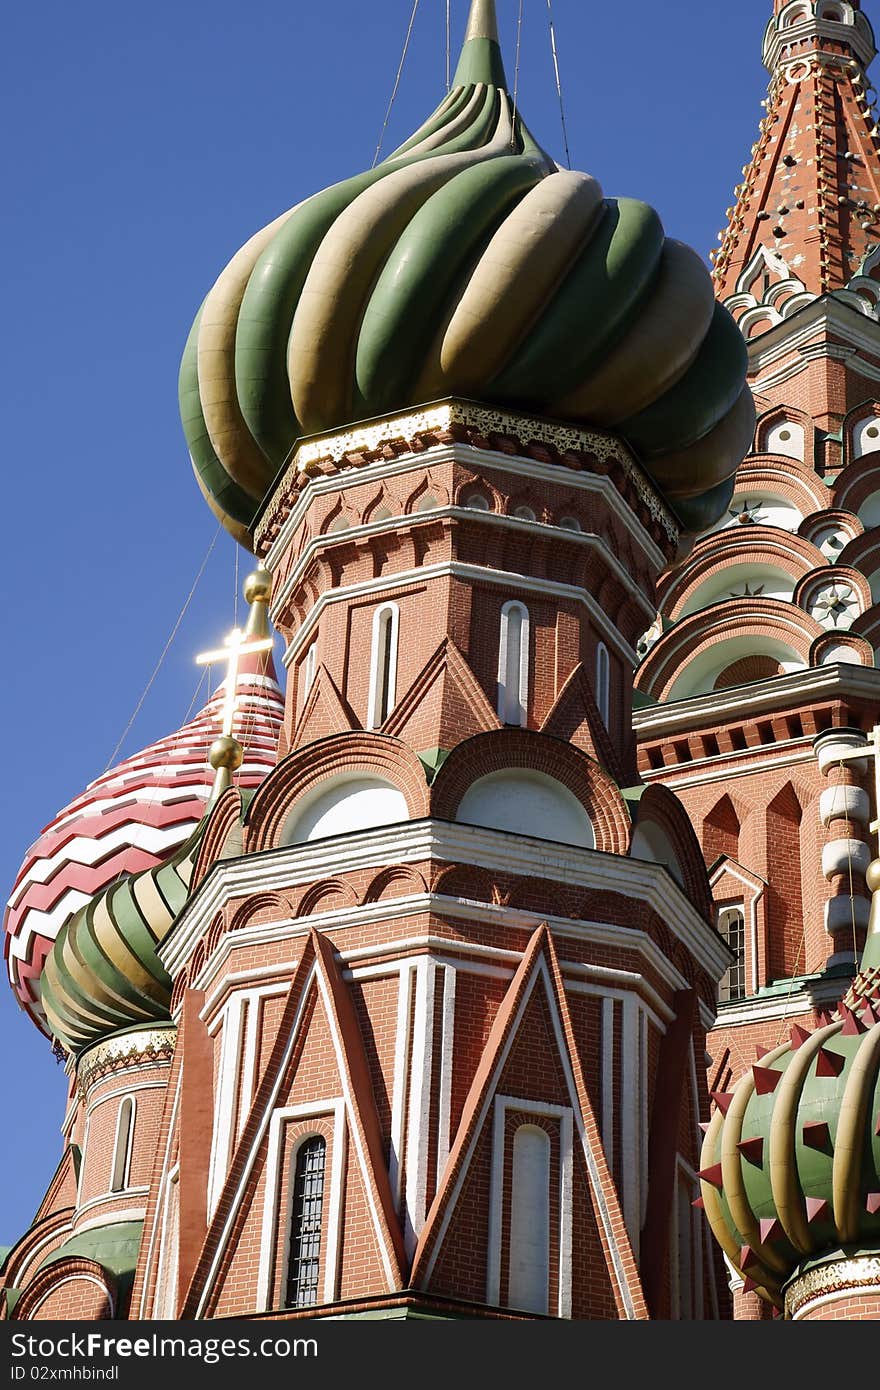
122 1146
306 1207
603 682
513 664
383 664
528 1284
732 928
309 668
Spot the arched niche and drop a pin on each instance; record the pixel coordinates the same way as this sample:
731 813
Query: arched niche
342 805
527 803
652 843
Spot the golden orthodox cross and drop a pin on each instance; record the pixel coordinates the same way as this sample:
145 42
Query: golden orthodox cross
237 645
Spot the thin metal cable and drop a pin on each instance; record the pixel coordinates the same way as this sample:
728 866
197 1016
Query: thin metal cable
235 596
137 709
448 46
519 24
558 82
412 20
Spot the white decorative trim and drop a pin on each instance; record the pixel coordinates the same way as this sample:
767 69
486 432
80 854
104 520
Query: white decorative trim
147 1290
600 1204
73 1279
514 703
420 1109
127 1214
124 1193
406 974
519 467
761 698
564 1114
226 1090
447 1051
414 841
271 1225
608 1078
383 631
630 1120
454 569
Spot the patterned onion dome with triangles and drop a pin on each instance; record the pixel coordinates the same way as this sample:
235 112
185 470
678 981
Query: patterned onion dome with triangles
790 1166
132 819
467 264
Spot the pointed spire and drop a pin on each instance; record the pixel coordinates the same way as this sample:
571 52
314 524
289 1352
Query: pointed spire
481 59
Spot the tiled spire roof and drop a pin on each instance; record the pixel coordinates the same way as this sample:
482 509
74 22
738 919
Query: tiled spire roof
807 216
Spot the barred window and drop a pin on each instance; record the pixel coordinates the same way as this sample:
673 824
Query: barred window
732 926
304 1254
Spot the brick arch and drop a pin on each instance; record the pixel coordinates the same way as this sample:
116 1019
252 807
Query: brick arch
781 414
863 642
863 551
867 626
748 668
721 831
277 903
769 618
542 897
785 478
858 481
357 751
323 896
784 821
398 881
868 409
662 806
834 574
223 820
766 544
76 1288
466 881
380 498
179 988
473 483
215 933
830 516
503 749
426 485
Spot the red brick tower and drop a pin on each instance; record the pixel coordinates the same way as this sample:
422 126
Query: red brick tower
760 670
439 988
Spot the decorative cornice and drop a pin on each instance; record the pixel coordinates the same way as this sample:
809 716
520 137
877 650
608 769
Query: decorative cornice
411 842
842 1276
466 423
788 691
138 1047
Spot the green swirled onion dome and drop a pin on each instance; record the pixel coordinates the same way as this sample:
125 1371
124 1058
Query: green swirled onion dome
467 264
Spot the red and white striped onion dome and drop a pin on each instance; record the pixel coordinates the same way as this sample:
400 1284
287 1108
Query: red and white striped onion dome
133 818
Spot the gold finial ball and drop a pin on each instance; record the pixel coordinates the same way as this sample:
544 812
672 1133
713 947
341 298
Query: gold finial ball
226 752
258 587
872 877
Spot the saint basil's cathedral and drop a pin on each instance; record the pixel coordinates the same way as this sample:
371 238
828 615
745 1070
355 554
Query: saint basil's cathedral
519 958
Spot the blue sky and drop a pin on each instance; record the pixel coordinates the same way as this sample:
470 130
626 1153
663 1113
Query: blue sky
142 147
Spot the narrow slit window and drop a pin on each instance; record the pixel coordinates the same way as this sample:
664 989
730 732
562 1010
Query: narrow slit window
309 666
603 682
383 664
513 665
307 1206
122 1146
